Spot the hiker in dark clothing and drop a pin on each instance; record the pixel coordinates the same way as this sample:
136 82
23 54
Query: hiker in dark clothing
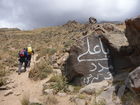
23 55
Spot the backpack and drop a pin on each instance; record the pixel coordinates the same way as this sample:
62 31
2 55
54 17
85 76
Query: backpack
22 53
29 50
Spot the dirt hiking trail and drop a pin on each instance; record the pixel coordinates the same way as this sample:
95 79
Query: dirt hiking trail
22 86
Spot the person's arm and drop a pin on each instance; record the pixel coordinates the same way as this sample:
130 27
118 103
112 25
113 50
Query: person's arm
18 54
33 52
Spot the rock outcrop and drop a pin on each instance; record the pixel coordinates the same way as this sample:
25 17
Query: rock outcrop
92 20
133 81
89 61
133 35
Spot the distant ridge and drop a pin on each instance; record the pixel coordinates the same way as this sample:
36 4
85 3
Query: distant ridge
115 22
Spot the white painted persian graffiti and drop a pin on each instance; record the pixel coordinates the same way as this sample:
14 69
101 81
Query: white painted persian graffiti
90 76
95 51
101 71
94 68
102 67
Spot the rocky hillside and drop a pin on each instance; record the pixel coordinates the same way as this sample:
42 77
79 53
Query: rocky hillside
102 56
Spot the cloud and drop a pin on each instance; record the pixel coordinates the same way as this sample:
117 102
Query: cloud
29 14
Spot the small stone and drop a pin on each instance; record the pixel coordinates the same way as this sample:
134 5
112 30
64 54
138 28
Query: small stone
49 91
17 94
55 66
80 101
15 85
71 88
61 94
63 59
121 91
3 88
8 81
57 71
8 92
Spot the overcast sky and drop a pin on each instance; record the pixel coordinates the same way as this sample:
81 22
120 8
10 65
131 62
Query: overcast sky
30 14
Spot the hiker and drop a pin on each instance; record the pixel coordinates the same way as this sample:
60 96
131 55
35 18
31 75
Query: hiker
30 52
23 55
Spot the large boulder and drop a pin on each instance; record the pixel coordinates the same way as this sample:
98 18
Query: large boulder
133 35
133 31
133 81
115 38
89 61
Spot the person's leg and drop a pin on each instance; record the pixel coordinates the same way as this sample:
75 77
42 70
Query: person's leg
19 67
29 60
25 65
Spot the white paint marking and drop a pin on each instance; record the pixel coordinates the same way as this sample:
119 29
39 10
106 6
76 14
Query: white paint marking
95 67
109 76
102 67
95 51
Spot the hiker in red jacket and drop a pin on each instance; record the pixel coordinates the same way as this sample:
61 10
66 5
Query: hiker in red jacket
23 55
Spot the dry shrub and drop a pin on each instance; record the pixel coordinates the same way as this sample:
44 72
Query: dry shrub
40 71
130 98
2 81
59 83
2 74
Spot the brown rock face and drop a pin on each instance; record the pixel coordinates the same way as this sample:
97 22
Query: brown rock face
89 61
133 81
133 36
133 31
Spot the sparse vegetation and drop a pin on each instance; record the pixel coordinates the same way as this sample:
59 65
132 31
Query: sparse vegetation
47 51
82 96
2 78
40 71
130 97
2 73
2 81
77 88
68 43
45 42
51 51
59 83
100 102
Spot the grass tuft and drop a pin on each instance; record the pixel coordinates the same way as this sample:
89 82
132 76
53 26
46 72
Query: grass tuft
59 83
40 71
